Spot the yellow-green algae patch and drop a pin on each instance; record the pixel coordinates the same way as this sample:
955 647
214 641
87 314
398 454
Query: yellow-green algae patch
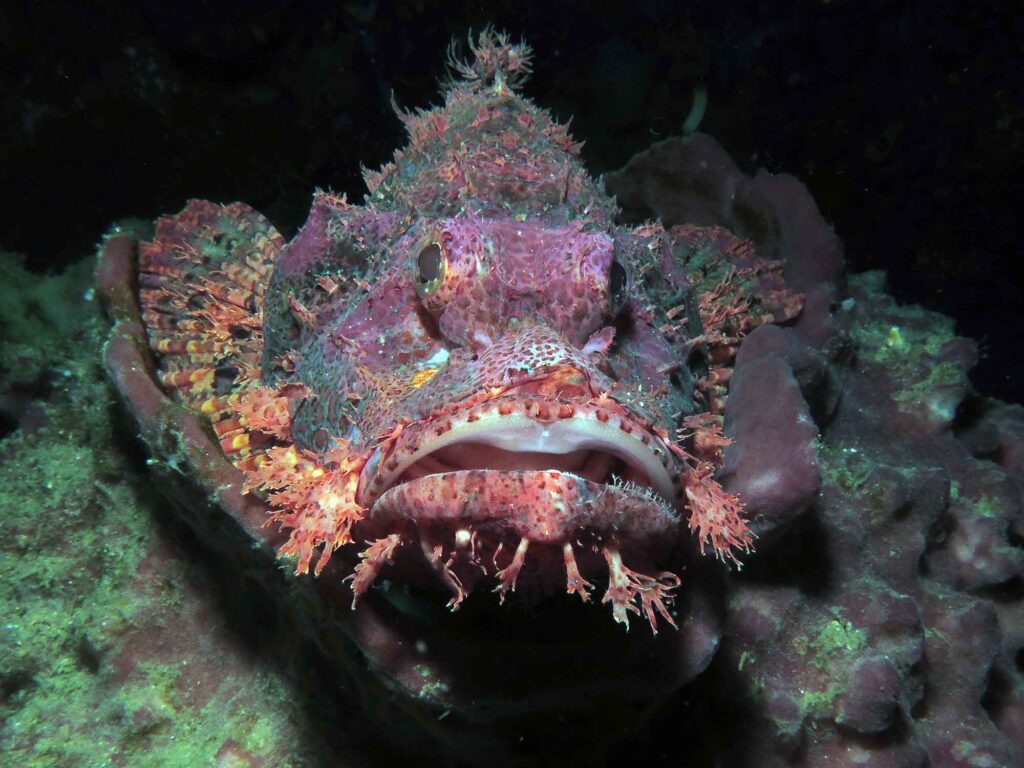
845 467
77 531
857 474
836 640
983 505
833 649
910 342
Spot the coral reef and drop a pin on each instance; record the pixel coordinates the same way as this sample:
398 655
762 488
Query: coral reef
117 647
880 621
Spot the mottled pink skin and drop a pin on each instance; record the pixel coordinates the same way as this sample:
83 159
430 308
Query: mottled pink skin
482 496
554 276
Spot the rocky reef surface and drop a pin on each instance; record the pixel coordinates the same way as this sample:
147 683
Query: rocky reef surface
120 644
880 623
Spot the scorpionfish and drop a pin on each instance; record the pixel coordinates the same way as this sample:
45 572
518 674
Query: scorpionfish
477 378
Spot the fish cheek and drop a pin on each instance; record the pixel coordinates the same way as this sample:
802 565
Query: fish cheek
475 312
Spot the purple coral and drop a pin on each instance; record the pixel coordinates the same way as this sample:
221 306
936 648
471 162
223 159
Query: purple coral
881 621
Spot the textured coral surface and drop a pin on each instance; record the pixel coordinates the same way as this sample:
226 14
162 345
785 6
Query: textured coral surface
116 645
882 624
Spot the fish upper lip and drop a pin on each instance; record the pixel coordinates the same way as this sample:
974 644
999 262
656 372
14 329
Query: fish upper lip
527 424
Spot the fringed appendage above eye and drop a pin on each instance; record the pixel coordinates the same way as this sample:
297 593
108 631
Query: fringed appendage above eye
496 61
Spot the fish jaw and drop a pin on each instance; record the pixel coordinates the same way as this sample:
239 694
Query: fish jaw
481 487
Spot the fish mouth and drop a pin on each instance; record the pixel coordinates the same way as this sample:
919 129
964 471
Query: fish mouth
541 469
585 487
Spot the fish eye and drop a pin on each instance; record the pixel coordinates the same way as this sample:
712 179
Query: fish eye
618 285
431 266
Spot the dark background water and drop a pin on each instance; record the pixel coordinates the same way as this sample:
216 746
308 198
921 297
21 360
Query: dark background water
906 120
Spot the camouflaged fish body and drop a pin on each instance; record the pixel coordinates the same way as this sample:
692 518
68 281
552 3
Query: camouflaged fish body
475 376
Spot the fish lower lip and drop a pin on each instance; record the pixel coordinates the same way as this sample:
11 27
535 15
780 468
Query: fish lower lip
543 506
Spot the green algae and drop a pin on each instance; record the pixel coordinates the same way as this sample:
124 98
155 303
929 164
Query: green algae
831 647
973 755
433 689
77 532
900 335
985 506
845 467
818 704
832 650
908 340
75 542
929 390
836 641
854 472
981 506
